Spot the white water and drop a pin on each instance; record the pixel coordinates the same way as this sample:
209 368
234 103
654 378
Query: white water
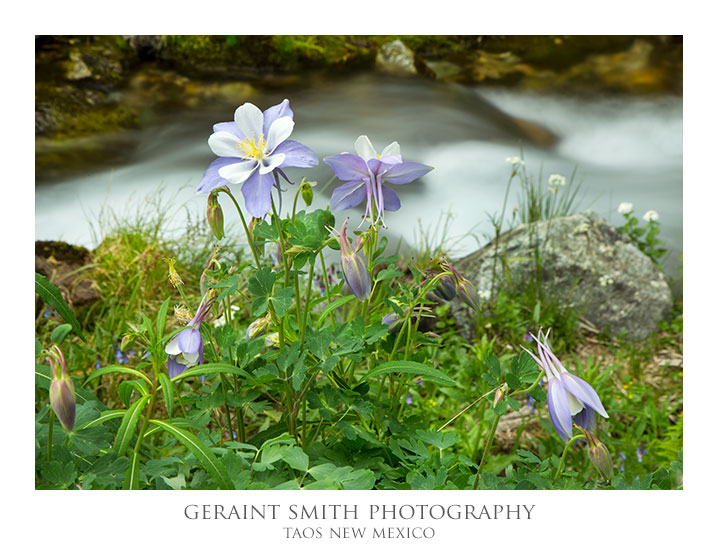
626 149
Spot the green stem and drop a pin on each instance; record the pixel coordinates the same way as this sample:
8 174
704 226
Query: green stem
49 435
244 224
307 304
487 446
327 289
564 455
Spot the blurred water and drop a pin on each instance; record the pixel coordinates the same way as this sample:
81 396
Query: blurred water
625 149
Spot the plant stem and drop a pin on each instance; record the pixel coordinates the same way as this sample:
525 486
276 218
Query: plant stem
49 435
487 446
564 455
244 224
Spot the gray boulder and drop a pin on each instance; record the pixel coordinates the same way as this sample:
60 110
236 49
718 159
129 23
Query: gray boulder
586 264
396 59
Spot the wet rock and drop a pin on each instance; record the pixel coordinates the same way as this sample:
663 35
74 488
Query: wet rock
396 59
65 266
76 68
586 264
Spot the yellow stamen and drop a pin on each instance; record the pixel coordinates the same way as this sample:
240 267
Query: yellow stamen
250 147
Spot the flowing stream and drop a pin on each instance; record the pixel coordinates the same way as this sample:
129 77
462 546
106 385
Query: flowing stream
623 148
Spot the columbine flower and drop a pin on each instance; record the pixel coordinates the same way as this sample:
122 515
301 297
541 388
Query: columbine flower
514 160
356 275
568 397
625 207
651 215
365 173
186 349
253 149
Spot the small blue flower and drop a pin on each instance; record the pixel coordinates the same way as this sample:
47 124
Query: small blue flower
408 400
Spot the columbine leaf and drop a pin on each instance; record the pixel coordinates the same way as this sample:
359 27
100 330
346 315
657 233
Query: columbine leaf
52 296
411 368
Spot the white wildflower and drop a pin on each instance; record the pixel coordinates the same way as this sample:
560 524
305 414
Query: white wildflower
651 215
556 181
625 207
514 160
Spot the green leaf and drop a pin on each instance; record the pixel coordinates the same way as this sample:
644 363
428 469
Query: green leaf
168 391
127 426
52 296
411 368
296 458
282 300
105 416
162 318
132 477
388 273
117 369
60 333
203 454
332 306
210 369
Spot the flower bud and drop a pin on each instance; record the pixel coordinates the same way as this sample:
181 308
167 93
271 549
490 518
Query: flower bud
356 275
272 340
499 395
600 458
62 390
392 321
215 217
257 328
467 293
307 192
445 288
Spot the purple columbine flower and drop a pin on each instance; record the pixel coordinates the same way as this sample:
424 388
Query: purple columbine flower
356 275
568 397
365 174
252 151
186 349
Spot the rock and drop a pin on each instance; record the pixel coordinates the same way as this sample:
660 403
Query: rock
65 266
396 59
586 264
443 70
76 68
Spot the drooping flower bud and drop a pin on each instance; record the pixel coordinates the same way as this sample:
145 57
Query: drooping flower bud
446 289
468 294
257 328
62 390
392 321
355 272
215 217
272 340
600 457
499 395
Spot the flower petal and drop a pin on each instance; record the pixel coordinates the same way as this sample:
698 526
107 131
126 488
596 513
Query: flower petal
211 178
172 347
585 419
275 112
174 368
348 167
583 391
271 162
348 196
405 172
296 154
279 131
224 143
391 150
249 118
257 191
559 409
391 200
238 173
189 340
364 148
229 127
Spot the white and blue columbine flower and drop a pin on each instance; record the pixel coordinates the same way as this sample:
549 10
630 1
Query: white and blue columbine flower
186 349
365 173
253 149
569 398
